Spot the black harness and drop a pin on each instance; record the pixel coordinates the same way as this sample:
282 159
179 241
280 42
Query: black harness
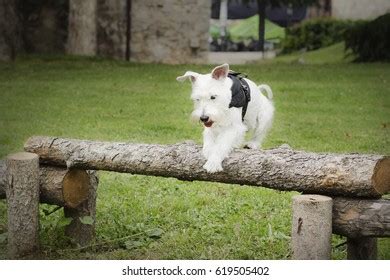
241 94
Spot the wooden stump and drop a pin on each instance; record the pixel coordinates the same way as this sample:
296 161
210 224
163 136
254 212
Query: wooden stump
22 204
79 232
311 227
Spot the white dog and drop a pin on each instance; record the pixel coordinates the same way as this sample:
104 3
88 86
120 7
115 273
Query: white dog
228 110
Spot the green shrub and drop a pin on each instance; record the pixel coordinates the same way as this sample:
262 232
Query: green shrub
316 33
370 41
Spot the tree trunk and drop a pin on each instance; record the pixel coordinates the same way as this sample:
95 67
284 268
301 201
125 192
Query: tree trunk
22 204
10 36
57 185
281 168
311 230
82 30
356 218
261 5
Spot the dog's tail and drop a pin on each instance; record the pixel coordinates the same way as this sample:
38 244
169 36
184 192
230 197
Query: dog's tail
265 88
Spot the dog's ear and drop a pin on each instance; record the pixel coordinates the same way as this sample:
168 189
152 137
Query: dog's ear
188 75
220 72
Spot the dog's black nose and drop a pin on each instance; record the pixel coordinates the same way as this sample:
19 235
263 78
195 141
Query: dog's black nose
204 118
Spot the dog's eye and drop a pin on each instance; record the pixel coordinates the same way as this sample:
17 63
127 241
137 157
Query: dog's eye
212 97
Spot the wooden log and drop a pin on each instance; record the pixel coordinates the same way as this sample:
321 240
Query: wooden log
356 218
79 232
363 248
58 185
282 168
311 231
22 204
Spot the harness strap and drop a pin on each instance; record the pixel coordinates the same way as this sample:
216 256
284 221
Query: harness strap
240 92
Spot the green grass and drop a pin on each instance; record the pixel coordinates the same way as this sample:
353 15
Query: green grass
248 28
328 55
335 107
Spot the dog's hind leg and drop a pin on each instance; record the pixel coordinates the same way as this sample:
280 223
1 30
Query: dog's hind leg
264 118
263 125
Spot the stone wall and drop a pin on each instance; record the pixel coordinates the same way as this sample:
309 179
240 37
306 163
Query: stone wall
111 28
10 30
44 25
82 28
164 31
170 31
359 9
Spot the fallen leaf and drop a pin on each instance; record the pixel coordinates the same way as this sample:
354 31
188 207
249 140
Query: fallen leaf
86 220
156 233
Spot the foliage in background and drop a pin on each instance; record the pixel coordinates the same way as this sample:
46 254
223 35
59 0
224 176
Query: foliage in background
316 33
261 11
370 41
248 28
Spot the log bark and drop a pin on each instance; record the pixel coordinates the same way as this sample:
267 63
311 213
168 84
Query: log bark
281 168
311 231
82 28
57 185
356 218
82 233
22 204
363 248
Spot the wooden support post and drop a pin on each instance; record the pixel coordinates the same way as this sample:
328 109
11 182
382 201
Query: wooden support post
363 248
311 227
82 230
22 204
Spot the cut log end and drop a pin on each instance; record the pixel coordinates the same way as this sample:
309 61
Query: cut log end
22 156
75 187
311 198
381 176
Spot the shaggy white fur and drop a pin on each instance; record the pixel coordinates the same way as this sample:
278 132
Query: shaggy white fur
224 129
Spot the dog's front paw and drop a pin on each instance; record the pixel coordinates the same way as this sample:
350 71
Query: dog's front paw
213 166
251 145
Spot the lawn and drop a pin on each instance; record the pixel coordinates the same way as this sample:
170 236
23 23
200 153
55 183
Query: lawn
336 107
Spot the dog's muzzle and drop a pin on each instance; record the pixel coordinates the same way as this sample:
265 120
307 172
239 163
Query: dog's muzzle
206 121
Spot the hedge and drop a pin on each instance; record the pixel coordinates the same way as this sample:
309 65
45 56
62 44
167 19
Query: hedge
315 33
370 41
